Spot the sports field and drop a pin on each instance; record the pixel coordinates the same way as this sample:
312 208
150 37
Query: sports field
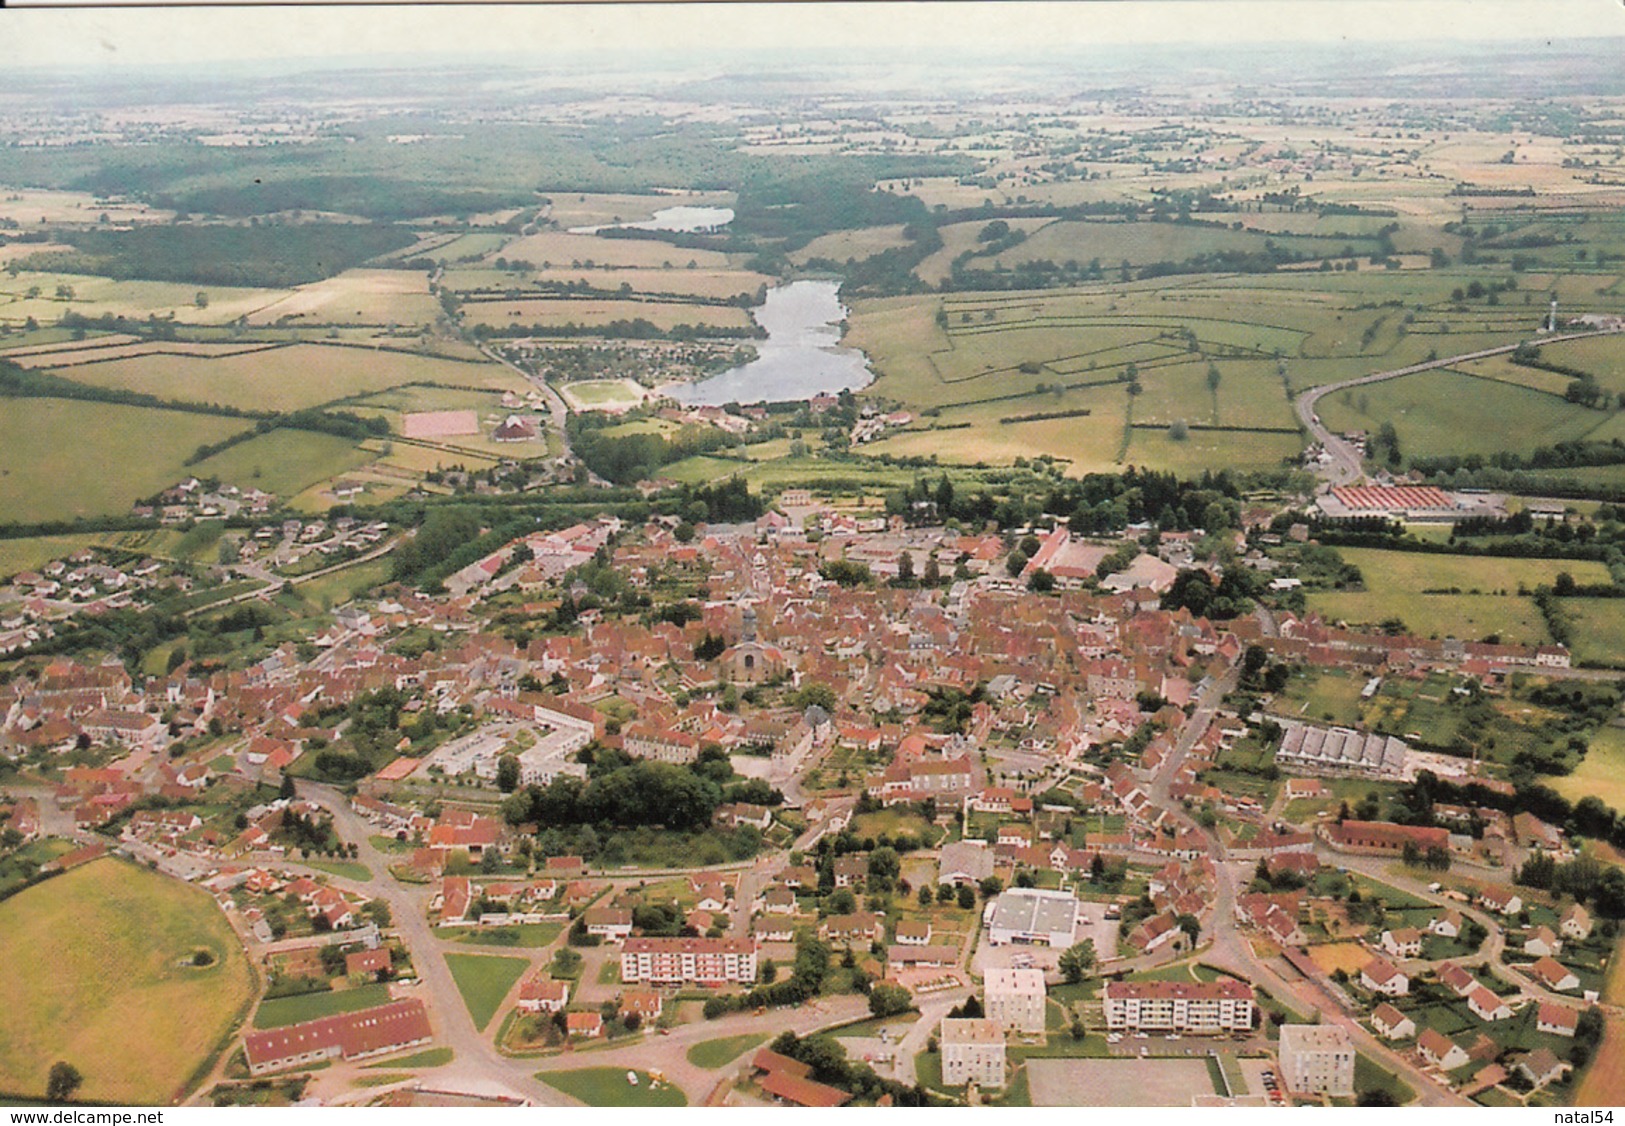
99 973
300 375
60 459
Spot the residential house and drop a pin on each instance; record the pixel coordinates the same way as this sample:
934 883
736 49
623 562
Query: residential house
1391 1024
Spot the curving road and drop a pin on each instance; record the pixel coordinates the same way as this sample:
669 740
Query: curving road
1345 465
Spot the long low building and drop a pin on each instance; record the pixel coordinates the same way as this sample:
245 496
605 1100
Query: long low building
677 961
351 1036
1308 749
1179 1006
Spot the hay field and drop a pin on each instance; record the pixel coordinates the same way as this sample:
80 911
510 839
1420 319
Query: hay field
708 283
842 246
356 297
1146 242
33 206
592 312
557 248
98 974
1602 356
1239 451
60 459
960 237
113 350
94 296
288 378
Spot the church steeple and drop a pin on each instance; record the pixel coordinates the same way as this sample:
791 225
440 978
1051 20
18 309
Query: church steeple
748 625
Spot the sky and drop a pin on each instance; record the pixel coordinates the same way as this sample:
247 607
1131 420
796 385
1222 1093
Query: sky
118 37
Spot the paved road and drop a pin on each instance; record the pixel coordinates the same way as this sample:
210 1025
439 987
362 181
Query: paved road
1345 465
1229 949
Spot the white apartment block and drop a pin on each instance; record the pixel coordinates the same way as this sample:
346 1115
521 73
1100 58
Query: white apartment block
972 1052
1014 998
675 961
1178 1006
1317 1059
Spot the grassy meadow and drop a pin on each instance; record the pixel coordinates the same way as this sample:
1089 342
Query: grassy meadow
60 459
120 999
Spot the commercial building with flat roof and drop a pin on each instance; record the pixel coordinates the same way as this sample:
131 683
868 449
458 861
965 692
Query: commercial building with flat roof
1032 916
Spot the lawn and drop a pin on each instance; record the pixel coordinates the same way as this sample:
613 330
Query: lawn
1370 1076
484 981
280 1011
607 1086
429 1057
99 973
60 459
712 1054
533 935
346 869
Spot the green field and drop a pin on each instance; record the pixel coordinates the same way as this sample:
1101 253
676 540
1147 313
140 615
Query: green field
1599 629
280 1011
484 981
60 459
1601 772
98 973
1414 586
283 462
1444 412
300 375
712 1054
607 1086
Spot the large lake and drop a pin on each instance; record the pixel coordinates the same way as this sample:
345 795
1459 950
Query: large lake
670 219
801 356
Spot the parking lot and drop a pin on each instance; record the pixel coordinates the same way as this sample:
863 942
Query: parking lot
1161 1044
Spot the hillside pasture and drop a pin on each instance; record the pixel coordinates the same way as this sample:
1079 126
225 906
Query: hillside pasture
1445 412
32 207
357 296
597 313
854 245
121 1000
1143 243
60 459
287 378
64 360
